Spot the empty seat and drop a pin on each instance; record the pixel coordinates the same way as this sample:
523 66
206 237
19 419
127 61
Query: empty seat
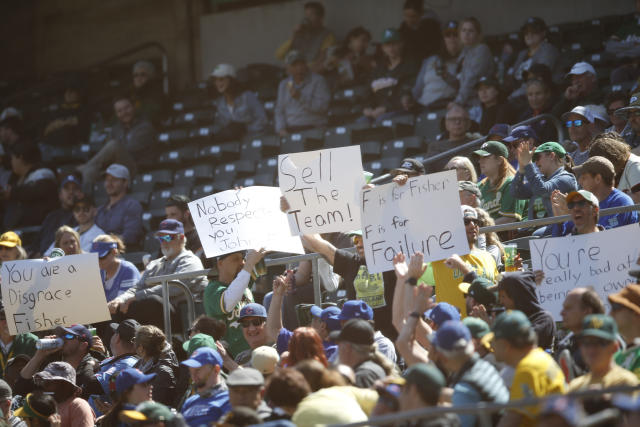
370 150
262 179
267 166
403 147
203 117
235 169
201 191
141 196
401 125
339 136
226 151
354 94
428 124
157 178
259 147
192 175
308 140
180 156
378 167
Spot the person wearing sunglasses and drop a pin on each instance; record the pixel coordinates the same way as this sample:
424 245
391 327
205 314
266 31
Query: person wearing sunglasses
118 275
145 303
580 124
253 317
598 345
625 310
583 206
84 212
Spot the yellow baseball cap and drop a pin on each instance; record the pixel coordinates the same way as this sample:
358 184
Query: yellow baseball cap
10 240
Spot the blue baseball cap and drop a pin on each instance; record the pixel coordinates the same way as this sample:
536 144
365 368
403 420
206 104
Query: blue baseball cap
252 310
129 377
325 314
521 132
356 309
70 178
79 331
451 335
171 226
103 248
442 312
501 129
203 356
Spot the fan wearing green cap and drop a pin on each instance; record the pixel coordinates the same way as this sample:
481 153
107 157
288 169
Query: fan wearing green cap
537 181
497 199
598 344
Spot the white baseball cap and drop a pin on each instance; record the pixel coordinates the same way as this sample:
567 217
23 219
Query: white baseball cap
582 111
580 68
118 171
598 112
224 70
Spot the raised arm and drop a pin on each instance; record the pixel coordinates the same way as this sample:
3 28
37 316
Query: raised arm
274 317
316 243
233 294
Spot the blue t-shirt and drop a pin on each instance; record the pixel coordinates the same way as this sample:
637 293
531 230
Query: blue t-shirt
201 410
616 198
126 277
108 368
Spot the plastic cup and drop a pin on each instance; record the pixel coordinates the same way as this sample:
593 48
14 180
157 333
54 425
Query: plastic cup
510 252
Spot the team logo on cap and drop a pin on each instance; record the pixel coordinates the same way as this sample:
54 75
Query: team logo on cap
633 99
407 165
485 145
249 310
596 323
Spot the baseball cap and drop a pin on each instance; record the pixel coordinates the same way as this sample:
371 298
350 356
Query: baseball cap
354 233
451 27
598 112
478 328
427 378
500 129
552 147
451 335
580 68
171 226
356 309
245 377
129 377
10 239
265 359
480 289
410 165
511 325
521 132
324 314
103 248
628 297
469 186
487 81
126 329
391 35
70 178
10 112
203 356
534 23
79 331
599 326
118 171
581 111
5 390
468 212
584 194
634 104
295 56
356 331
442 312
224 70
197 341
149 411
492 147
252 310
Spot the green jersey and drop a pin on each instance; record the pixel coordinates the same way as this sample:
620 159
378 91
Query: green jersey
21 344
214 307
630 359
501 203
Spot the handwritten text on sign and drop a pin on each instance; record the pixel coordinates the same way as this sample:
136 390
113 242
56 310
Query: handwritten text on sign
41 295
422 215
236 220
322 188
600 260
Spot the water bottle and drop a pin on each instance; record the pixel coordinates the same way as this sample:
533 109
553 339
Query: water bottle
49 343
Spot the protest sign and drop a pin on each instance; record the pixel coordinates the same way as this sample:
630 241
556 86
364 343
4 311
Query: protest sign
39 295
422 215
600 260
236 220
323 189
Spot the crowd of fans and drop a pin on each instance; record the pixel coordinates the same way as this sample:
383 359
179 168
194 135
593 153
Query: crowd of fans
450 333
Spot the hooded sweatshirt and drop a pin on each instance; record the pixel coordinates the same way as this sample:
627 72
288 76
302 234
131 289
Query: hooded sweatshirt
521 288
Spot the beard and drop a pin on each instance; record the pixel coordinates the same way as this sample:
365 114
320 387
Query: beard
168 252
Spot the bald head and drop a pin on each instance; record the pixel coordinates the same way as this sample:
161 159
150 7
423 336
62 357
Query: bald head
579 303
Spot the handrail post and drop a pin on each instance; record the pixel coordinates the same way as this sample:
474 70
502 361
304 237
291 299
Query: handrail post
166 309
191 305
317 295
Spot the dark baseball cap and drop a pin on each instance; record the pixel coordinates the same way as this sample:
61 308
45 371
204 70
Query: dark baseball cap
129 377
599 326
487 81
70 178
79 331
511 325
126 329
356 331
356 309
499 129
451 335
480 289
171 226
410 166
521 132
103 248
442 312
252 310
427 378
492 147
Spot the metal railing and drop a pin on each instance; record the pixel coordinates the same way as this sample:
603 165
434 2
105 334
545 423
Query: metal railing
483 409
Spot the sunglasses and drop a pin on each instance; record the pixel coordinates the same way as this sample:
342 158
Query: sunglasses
468 221
574 123
69 337
252 322
167 237
579 203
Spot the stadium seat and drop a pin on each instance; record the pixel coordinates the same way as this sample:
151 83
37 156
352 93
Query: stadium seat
257 148
428 124
221 152
378 167
201 117
181 156
307 140
370 150
200 191
402 125
193 175
141 196
351 95
135 258
403 147
262 179
267 166
156 179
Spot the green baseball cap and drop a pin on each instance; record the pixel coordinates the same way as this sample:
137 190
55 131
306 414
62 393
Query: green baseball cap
476 326
355 233
197 341
584 194
492 147
427 378
599 326
550 147
481 290
391 35
511 324
151 412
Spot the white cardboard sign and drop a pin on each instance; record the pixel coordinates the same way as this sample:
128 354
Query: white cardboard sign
236 220
40 295
323 189
423 215
599 260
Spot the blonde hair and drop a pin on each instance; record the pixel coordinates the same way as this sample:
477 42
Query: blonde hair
464 163
111 238
485 220
66 229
